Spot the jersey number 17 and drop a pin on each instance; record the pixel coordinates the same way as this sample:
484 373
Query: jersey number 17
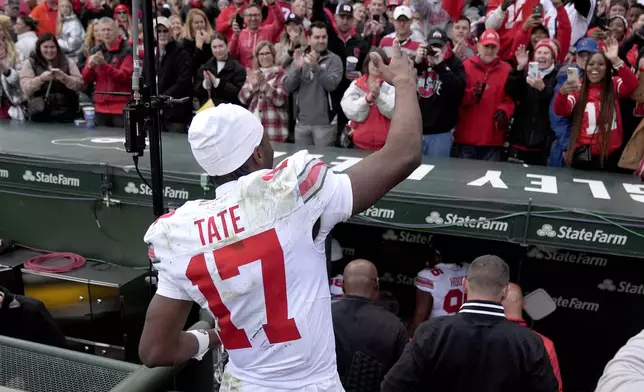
266 248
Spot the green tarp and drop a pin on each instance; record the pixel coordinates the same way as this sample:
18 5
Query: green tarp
593 211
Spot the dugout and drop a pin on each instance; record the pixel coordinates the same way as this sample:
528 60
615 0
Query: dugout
578 235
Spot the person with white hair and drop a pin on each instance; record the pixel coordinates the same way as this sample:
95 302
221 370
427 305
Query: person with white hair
255 255
110 67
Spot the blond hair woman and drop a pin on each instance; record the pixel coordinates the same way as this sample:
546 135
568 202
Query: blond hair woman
197 33
11 96
69 32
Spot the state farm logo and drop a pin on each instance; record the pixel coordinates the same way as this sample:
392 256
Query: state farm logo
546 231
407 237
402 279
131 188
143 189
435 218
607 285
373 212
570 233
387 278
576 304
50 178
478 223
621 287
390 235
28 176
567 257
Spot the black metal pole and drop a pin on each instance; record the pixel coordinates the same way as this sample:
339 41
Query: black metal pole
152 111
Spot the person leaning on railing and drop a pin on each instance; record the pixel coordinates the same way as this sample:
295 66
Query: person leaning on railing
51 83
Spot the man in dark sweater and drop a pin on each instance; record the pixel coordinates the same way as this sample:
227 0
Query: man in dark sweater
368 338
477 349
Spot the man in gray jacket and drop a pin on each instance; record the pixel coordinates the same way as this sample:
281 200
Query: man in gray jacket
312 76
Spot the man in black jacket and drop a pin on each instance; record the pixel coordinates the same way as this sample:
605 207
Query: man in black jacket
175 77
368 338
477 349
441 85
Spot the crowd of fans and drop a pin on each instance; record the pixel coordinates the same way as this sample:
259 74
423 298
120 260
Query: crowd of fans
542 82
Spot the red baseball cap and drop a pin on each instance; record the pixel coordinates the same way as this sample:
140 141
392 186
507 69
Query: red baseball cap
490 37
393 3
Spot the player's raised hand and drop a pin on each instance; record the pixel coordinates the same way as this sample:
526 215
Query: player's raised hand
400 66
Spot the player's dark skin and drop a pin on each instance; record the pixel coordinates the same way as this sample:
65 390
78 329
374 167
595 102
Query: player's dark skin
163 341
424 306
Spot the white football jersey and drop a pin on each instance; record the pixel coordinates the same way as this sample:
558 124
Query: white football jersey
445 283
249 257
335 286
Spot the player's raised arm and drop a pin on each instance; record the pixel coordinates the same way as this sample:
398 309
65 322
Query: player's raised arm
378 173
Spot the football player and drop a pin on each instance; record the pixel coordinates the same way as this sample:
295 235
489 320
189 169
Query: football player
255 255
439 290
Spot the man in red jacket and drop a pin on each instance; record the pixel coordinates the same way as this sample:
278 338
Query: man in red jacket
225 20
245 40
111 69
486 109
513 307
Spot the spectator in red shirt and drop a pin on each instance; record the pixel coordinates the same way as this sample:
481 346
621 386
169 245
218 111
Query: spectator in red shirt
597 134
46 13
486 109
513 307
110 67
244 40
224 23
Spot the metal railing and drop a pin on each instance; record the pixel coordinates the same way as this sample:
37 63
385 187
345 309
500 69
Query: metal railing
29 366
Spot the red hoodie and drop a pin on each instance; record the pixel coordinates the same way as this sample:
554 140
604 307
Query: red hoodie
625 84
241 46
550 349
222 25
476 125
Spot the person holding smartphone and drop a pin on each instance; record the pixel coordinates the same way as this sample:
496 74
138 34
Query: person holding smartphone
51 83
561 126
531 86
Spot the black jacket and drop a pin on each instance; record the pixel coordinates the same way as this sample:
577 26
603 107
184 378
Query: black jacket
28 319
232 77
175 79
361 325
531 126
477 349
440 91
199 56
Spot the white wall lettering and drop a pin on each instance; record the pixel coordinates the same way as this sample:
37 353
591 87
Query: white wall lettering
636 191
420 172
547 184
597 188
493 177
338 166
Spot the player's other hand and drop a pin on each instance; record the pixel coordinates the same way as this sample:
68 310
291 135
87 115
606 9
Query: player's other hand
400 68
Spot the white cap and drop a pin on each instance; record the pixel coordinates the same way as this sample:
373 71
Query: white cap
163 21
224 137
402 10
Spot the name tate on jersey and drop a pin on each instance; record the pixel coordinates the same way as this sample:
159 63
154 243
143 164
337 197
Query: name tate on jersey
209 231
